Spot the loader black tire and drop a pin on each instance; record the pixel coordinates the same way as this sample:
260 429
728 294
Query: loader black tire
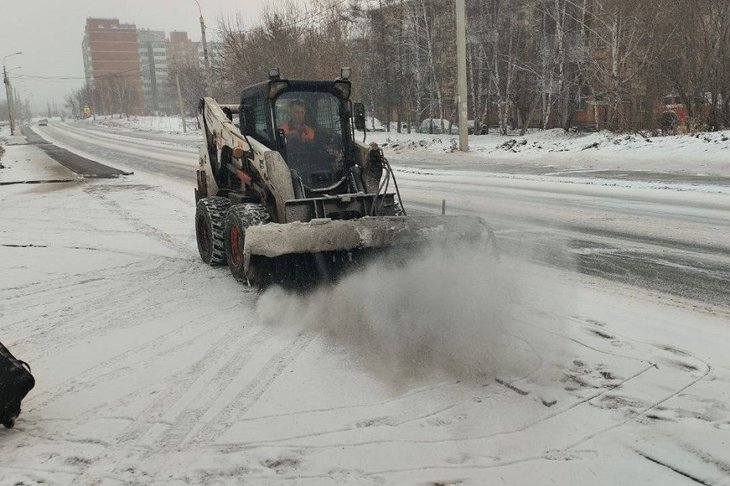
241 217
210 217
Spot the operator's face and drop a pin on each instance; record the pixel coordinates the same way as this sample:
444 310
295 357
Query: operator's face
297 114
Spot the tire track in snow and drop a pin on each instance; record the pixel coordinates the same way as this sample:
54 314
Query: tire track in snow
32 290
146 229
232 447
128 447
54 332
662 349
181 383
256 387
521 428
120 364
190 417
116 308
515 430
158 145
387 421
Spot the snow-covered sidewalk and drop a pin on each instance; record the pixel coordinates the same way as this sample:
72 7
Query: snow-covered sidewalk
29 164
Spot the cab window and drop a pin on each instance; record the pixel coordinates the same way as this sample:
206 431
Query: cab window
254 119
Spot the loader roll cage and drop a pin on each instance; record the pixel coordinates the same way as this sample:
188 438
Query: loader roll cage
320 163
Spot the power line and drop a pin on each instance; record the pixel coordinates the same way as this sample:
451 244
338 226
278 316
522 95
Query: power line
125 73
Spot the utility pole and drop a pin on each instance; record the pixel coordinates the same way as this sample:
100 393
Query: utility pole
9 92
208 74
462 99
180 100
9 96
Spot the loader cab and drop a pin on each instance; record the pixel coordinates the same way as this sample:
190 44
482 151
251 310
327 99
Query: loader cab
308 122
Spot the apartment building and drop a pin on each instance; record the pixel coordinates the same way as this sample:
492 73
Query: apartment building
154 64
131 69
111 64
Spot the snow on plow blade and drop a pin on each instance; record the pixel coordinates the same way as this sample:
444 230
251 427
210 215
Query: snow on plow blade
326 235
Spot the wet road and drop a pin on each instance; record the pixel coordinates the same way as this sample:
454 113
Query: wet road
666 232
666 238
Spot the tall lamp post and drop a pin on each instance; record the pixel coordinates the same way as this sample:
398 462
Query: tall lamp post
208 76
8 92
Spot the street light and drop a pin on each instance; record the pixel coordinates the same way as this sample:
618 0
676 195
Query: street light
8 95
205 43
11 55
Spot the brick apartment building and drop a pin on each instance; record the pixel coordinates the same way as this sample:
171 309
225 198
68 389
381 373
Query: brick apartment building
181 50
111 64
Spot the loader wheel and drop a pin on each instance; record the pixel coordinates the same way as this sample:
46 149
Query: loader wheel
239 218
210 216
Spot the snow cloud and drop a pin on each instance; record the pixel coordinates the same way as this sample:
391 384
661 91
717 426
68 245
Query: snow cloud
443 311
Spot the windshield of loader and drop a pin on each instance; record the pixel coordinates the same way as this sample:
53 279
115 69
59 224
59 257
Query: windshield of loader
312 130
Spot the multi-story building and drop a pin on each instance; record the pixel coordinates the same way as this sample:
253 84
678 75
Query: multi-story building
215 55
143 82
111 64
155 70
181 50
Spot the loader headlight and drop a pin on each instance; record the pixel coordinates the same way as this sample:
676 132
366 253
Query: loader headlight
237 152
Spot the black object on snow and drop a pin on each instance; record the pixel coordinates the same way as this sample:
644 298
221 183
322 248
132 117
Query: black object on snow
15 383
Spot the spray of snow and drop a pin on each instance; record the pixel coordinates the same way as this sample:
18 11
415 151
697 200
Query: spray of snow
448 311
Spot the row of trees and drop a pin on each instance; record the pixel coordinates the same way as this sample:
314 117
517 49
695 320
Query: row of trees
550 63
546 63
21 108
313 42
530 63
114 93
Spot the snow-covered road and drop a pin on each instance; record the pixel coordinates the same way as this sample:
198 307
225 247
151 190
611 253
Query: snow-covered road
664 235
153 368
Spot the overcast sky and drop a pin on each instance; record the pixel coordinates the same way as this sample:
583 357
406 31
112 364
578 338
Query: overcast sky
49 33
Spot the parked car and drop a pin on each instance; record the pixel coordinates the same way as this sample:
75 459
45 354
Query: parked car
43 122
433 126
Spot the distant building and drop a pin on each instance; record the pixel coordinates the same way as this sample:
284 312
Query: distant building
134 68
215 55
111 64
154 64
181 50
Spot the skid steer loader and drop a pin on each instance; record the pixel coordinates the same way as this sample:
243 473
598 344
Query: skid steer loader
286 194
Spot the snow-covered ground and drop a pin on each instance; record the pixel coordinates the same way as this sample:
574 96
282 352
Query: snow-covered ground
702 153
153 368
156 124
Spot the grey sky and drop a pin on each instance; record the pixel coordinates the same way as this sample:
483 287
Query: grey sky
49 32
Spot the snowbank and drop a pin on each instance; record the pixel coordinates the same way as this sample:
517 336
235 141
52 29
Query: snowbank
702 153
161 124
